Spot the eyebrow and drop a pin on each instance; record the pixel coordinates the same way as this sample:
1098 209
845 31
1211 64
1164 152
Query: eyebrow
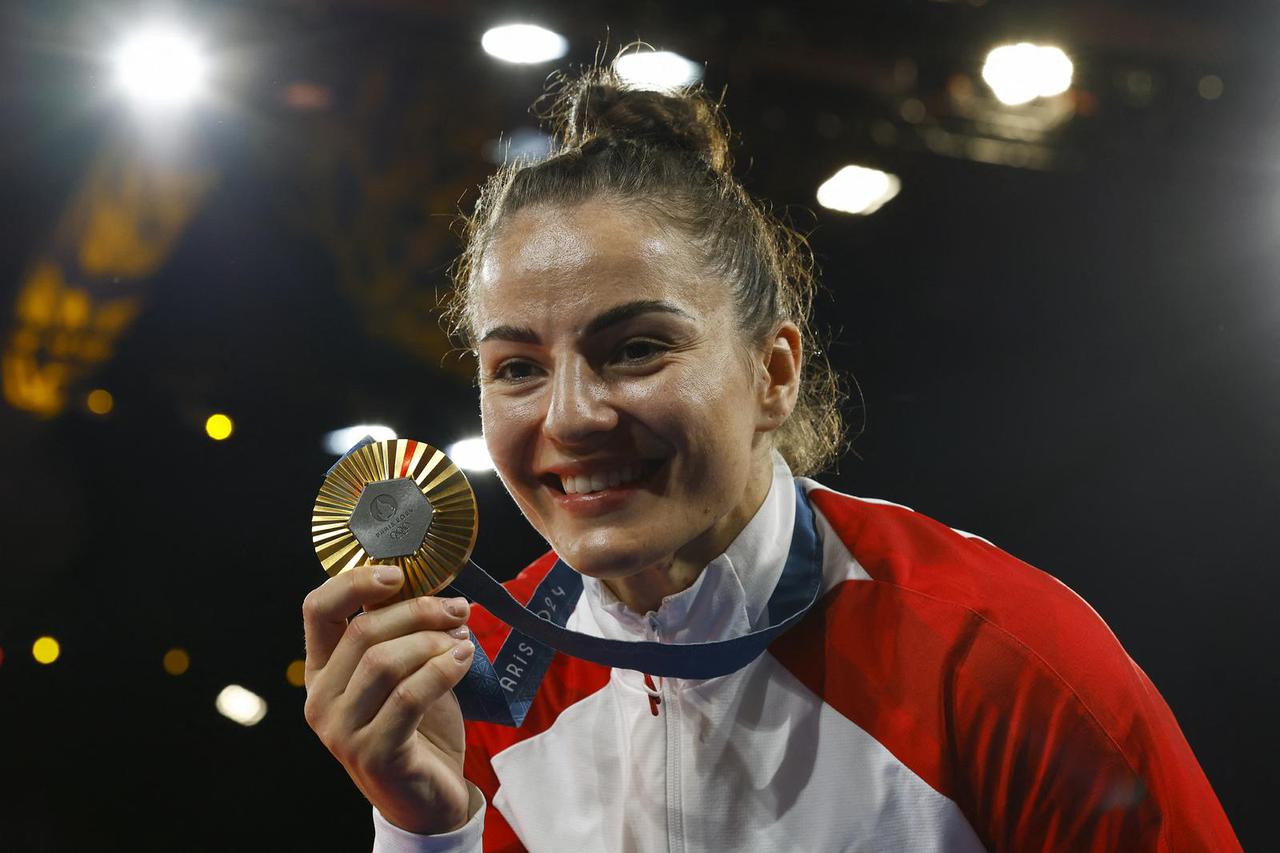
612 317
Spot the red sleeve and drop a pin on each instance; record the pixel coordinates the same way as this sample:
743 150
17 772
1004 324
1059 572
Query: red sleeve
1037 769
1003 690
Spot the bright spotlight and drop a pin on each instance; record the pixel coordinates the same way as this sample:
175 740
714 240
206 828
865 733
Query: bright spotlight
1020 73
160 67
659 70
471 454
340 441
243 706
857 189
524 43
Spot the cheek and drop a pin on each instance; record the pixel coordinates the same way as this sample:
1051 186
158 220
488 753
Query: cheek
508 430
702 411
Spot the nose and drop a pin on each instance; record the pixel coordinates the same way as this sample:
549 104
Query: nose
579 407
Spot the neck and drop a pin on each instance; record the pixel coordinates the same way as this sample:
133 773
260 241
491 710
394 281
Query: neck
643 591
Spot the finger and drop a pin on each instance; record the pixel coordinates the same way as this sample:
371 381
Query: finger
409 700
425 613
326 608
386 665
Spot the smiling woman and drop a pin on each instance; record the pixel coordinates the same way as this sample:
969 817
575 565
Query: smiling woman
630 361
652 401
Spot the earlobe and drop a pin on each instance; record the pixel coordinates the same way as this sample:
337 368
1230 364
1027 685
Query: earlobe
783 360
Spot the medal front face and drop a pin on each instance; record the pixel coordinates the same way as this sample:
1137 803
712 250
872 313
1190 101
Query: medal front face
400 502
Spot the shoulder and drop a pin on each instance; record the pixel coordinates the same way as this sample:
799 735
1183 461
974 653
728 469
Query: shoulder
939 619
958 580
984 674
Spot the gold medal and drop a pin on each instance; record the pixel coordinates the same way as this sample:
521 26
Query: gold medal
399 502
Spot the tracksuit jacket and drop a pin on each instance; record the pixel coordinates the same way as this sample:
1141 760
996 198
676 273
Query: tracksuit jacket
941 695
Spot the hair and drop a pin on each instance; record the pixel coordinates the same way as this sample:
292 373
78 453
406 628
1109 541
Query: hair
666 155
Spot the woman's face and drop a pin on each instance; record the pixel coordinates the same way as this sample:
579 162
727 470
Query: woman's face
620 406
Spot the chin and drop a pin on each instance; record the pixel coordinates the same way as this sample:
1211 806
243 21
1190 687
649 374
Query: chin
607 558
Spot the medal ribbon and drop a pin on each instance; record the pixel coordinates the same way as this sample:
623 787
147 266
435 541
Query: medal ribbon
502 690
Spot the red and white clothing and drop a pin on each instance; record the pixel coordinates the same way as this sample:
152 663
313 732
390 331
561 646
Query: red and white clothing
942 695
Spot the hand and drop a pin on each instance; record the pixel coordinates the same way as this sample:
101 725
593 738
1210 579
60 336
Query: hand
379 694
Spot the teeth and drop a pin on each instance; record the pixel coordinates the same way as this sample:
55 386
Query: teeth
600 480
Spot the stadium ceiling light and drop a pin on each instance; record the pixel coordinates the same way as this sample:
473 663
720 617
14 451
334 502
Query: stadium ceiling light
858 190
525 44
340 441
1020 73
470 454
160 67
659 70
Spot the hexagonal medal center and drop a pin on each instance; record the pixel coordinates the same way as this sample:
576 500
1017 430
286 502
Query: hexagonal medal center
391 518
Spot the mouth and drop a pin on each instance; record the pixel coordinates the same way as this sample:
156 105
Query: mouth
604 478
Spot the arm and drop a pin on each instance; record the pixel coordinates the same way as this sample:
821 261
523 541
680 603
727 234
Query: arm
1099 764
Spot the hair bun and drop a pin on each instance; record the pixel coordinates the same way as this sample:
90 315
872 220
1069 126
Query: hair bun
600 110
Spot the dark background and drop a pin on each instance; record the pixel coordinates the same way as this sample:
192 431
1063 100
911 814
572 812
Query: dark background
1077 361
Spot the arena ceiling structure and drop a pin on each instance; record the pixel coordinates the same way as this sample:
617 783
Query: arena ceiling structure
229 227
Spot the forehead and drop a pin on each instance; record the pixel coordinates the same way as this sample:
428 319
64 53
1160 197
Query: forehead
571 262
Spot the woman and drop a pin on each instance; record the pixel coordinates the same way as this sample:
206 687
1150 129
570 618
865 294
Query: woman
648 401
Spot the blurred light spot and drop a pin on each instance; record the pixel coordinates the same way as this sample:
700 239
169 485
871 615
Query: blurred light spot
470 454
245 707
1 655
218 427
912 111
160 67
857 189
296 673
100 401
1210 87
659 70
46 650
176 661
307 96
340 441
524 43
883 132
1020 73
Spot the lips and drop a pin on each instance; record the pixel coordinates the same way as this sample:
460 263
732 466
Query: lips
602 486
598 481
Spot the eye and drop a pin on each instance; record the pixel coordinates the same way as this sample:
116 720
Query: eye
514 370
639 350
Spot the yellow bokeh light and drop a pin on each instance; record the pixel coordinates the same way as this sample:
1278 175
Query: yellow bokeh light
176 661
218 427
296 673
46 650
100 401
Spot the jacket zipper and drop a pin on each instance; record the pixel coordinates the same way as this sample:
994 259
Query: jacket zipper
658 696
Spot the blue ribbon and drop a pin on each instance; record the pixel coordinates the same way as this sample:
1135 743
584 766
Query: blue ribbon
502 690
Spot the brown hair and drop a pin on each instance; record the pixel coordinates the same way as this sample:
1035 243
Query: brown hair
666 154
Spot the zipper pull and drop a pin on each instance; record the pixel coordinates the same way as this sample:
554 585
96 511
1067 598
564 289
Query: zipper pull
655 698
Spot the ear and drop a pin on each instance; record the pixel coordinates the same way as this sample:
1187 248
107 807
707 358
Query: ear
782 359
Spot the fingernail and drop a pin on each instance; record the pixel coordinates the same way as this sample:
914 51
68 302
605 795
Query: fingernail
460 633
463 650
388 575
456 607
